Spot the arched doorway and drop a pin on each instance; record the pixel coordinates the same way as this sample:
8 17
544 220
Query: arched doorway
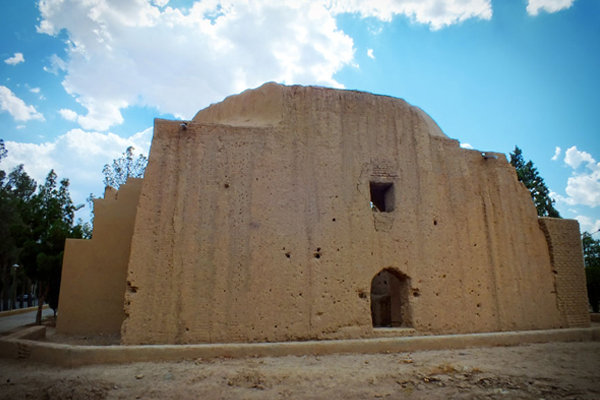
389 299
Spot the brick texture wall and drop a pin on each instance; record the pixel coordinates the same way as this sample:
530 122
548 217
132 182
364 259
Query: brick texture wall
566 255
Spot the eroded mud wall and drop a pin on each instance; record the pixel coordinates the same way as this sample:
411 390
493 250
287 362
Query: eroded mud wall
93 274
566 255
265 232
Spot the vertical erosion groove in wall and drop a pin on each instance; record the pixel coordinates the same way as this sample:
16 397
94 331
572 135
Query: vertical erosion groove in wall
491 261
564 245
559 303
213 283
177 246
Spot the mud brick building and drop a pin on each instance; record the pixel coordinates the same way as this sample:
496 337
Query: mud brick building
294 213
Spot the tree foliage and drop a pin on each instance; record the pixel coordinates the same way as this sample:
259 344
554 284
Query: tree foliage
8 250
126 166
591 256
35 221
528 174
3 151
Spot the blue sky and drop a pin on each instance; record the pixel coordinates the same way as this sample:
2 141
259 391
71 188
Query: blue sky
81 81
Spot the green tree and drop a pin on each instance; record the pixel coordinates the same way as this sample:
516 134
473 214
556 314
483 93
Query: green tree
16 191
3 151
19 193
7 246
115 175
126 166
34 223
50 225
528 174
591 256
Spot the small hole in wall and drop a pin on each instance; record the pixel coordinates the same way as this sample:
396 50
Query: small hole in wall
317 253
132 289
288 255
187 329
226 186
362 294
333 219
416 293
435 221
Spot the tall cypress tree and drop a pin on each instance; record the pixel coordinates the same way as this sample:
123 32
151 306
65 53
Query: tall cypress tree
528 174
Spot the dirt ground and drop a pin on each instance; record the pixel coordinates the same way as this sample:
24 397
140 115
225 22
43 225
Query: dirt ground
540 371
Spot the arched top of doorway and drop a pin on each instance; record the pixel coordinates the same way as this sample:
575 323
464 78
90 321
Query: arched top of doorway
390 305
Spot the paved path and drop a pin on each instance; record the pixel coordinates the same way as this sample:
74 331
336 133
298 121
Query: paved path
10 322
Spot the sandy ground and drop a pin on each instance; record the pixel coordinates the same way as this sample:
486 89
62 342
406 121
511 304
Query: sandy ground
541 371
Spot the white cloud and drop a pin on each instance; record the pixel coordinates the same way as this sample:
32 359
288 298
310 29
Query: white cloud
574 157
534 6
583 187
124 53
16 59
134 53
370 54
34 90
160 3
587 224
17 107
78 155
57 64
67 114
435 13
466 146
557 152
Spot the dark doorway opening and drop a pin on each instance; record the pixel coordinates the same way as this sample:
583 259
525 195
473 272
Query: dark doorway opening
389 299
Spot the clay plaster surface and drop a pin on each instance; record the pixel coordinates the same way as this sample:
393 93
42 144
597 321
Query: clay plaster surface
254 224
94 271
566 257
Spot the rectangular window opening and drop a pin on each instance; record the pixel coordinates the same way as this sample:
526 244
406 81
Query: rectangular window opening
382 196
